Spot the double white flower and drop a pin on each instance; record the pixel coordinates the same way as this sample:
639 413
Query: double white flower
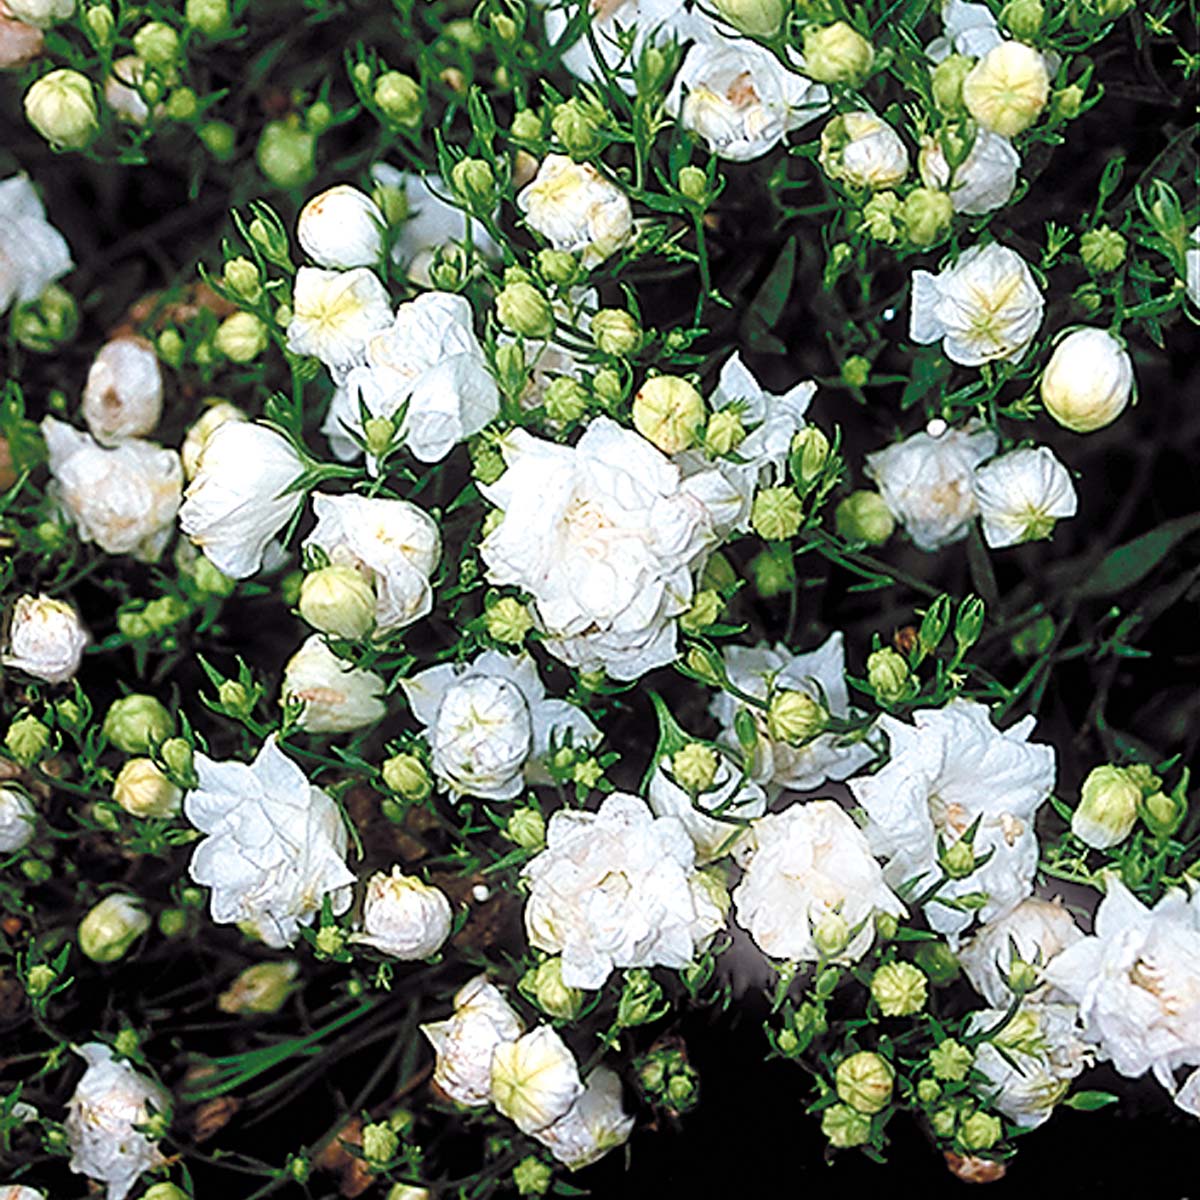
334 313
45 639
951 767
486 719
985 307
863 151
604 535
617 888
1022 495
427 361
33 254
575 208
336 696
404 917
124 499
812 888
276 845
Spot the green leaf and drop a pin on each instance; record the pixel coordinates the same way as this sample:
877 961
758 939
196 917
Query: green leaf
1132 562
1089 1101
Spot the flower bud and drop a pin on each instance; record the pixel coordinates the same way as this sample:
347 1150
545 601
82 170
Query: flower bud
208 16
1023 18
142 790
99 23
926 215
1108 808
508 621
543 985
863 516
724 432
523 309
615 332
958 860
980 1131
943 1121
888 675
111 927
950 1061
864 1081
532 1177
26 740
342 228
526 126
156 44
881 217
837 53
399 98
947 83
705 609
405 774
262 988
928 1090
844 1127
1102 250
831 935
1006 90
695 767
777 513
337 600
795 718
1068 102
219 138
243 279
379 1143
164 1191
137 723
809 454
1088 380
575 123
286 153
48 322
641 999
17 816
756 18
693 184
404 917
475 183
61 106
863 151
900 989
241 337
669 413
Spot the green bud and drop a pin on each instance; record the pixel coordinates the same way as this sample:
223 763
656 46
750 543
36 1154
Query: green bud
379 433
474 181
950 1061
980 1131
927 215
1023 18
1108 808
399 98
543 985
864 516
757 18
795 718
565 399
575 124
111 927
318 117
172 922
958 860
379 1144
772 572
241 337
693 183
508 621
405 774
532 1177
856 370
695 767
615 332
234 698
777 513
724 432
558 266
608 386
881 218
521 308
286 153
809 454
641 999
40 979
171 348
100 23
1068 102
157 44
947 82
182 104
36 871
844 1127
830 935
137 723
61 106
938 961
705 609
943 1122
934 624
164 1191
526 827
900 989
219 138
889 676
837 53
928 1090
243 279
338 600
1102 250
526 126
210 17
683 1090
46 323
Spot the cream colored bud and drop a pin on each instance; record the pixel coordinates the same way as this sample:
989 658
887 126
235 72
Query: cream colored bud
142 790
837 53
111 927
900 989
61 106
1088 380
864 1081
695 766
795 718
241 337
406 775
615 332
724 432
758 18
669 412
1107 809
342 228
543 985
262 988
1007 89
777 513
337 600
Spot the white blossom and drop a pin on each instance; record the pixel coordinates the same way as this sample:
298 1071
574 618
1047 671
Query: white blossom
731 800
740 99
123 90
594 1124
393 542
1136 981
124 499
951 767
276 845
17 1191
985 307
927 481
41 14
864 151
535 1079
17 816
202 429
341 228
812 868
1033 932
983 182
616 888
464 1043
404 917
1191 260
335 696
819 674
1088 381
969 29
334 313
46 639
604 535
109 1101
33 254
429 359
575 208
240 499
485 720
123 394
1021 495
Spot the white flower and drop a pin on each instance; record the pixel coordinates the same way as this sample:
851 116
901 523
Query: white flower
1021 495
1034 932
45 639
108 1102
429 359
604 535
393 542
123 90
342 228
927 481
970 29
41 14
1188 1096
1191 261
486 719
535 1079
1088 380
276 844
17 816
812 863
123 394
982 183
863 151
33 254
1136 981
740 99
819 674
430 223
17 1191
334 313
949 768
983 308
202 429
1030 1063
239 499
124 499
404 917
465 1042
616 888
729 797
335 696
575 208
595 1124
